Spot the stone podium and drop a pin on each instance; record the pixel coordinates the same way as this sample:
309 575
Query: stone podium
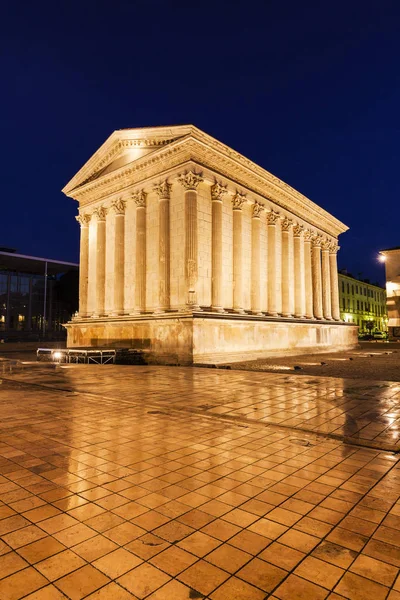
192 253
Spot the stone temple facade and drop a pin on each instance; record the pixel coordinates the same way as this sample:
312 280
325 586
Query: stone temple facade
194 254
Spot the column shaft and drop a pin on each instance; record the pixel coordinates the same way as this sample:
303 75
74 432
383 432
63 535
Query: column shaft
317 278
308 284
217 193
334 282
84 265
256 259
326 283
164 192
274 288
119 257
287 269
140 288
190 181
100 261
238 301
299 273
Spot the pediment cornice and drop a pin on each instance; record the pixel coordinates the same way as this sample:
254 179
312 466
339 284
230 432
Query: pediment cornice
195 145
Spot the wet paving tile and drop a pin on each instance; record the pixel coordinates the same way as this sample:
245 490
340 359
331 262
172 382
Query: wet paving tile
150 482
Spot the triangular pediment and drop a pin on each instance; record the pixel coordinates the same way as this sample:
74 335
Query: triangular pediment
122 148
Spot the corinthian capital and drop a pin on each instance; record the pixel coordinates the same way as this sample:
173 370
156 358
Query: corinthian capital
298 230
218 191
190 180
139 198
308 235
317 241
83 219
333 248
257 210
118 206
238 200
101 213
326 244
286 224
163 190
272 217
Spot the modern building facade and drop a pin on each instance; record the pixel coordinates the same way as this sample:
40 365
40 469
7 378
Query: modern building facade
391 258
37 295
362 303
193 253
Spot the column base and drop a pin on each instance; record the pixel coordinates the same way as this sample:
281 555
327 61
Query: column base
217 309
287 315
300 316
272 314
257 313
239 311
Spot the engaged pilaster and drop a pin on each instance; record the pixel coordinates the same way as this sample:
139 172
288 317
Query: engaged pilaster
299 272
237 203
255 258
163 191
326 281
333 250
218 191
83 264
139 198
287 269
119 256
274 274
101 214
190 182
316 277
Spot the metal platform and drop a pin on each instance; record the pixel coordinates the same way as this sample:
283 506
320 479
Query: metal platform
98 356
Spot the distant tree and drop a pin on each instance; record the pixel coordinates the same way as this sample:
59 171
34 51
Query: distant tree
369 325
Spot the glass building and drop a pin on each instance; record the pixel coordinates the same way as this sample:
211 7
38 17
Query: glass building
37 295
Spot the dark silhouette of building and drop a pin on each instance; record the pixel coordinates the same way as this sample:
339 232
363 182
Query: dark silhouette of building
37 295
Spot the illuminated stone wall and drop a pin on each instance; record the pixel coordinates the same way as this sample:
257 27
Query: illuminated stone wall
392 267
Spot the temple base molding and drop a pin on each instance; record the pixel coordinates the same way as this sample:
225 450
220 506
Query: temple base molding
193 338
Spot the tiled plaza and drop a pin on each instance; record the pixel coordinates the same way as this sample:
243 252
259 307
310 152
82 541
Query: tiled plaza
170 483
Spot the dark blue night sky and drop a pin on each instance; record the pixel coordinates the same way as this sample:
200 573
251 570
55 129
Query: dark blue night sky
308 90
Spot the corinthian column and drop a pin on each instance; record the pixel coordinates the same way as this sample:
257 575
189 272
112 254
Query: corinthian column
217 193
163 191
299 275
326 281
308 284
101 214
334 281
237 202
287 269
83 264
190 181
274 274
255 259
316 276
119 256
140 289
